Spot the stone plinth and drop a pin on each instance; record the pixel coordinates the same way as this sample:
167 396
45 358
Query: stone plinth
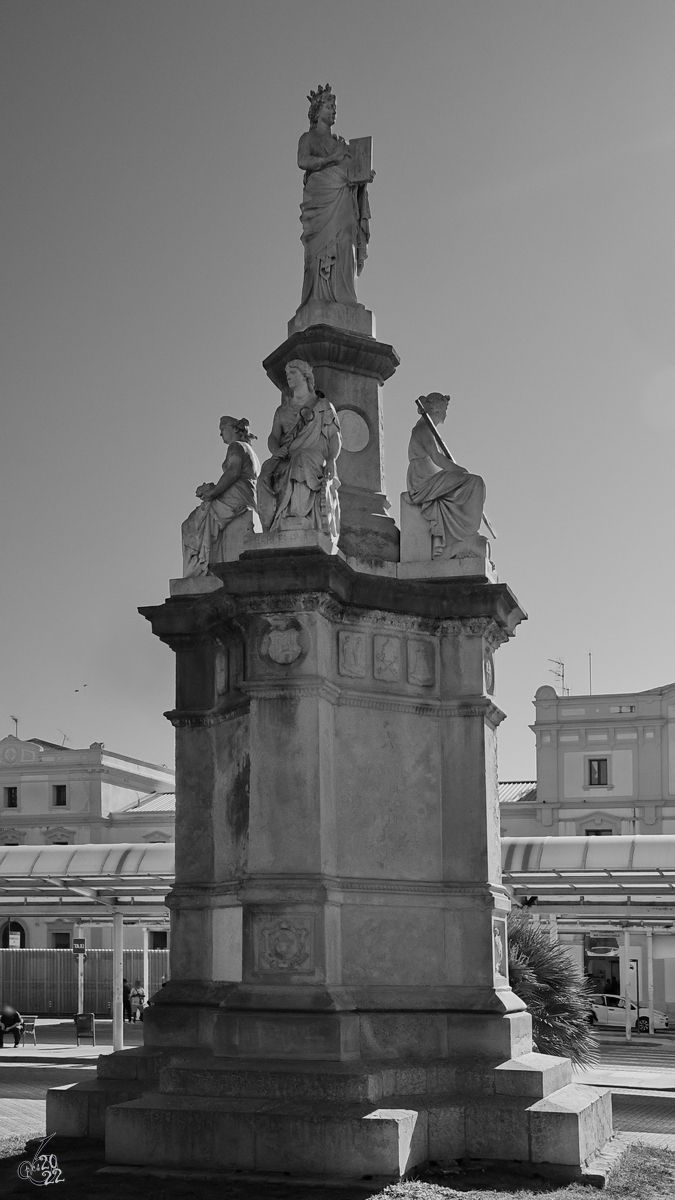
350 368
353 317
417 562
339 1002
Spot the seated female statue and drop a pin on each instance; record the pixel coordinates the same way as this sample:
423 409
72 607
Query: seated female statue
450 497
221 502
298 485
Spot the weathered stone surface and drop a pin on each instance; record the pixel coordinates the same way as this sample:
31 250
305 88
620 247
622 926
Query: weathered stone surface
497 1127
570 1125
346 1141
417 561
532 1075
355 318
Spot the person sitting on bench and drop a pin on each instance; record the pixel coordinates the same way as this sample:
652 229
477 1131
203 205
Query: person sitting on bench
11 1021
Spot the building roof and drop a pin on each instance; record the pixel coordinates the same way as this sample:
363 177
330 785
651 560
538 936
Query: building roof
633 867
156 802
521 789
126 876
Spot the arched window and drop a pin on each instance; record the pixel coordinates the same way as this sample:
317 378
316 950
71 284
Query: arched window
15 928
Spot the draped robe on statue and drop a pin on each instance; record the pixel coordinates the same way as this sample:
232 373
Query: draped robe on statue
202 529
296 487
335 231
450 497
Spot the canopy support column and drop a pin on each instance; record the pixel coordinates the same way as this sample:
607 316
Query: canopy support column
650 978
626 982
146 963
118 975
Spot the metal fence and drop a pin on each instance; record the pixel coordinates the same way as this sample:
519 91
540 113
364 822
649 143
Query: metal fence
45 981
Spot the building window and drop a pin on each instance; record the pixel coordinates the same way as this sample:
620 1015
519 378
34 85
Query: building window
60 941
11 797
598 832
622 708
158 940
59 795
597 772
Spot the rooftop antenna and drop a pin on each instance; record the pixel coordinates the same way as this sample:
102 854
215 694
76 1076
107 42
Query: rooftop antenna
65 737
558 670
590 673
16 725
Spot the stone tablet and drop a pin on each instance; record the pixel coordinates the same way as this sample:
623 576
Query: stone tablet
360 160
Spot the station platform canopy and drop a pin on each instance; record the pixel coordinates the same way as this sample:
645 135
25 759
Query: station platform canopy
630 869
92 880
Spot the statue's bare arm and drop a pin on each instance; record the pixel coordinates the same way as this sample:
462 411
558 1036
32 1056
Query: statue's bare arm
334 446
309 160
274 440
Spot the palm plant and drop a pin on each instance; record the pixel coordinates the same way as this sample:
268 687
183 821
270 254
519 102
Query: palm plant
554 990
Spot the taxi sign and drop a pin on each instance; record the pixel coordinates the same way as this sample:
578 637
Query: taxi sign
78 946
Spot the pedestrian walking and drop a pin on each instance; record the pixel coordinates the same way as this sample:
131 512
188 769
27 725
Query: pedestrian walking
126 1000
11 1021
137 1001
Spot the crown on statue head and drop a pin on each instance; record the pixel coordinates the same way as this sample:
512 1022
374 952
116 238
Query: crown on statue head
319 94
316 100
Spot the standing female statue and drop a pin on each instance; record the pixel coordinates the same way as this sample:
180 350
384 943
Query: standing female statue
334 211
298 485
450 497
221 502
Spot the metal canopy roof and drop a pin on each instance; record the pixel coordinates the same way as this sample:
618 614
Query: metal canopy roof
596 868
83 879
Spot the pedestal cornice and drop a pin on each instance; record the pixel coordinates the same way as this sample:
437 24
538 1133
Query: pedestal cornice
260 581
326 346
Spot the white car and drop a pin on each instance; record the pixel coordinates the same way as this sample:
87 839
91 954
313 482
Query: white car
611 1010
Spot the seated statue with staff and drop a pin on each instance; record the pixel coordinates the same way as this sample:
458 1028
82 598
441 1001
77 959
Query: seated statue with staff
221 503
298 484
450 497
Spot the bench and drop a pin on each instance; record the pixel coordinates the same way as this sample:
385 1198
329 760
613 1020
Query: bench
85 1027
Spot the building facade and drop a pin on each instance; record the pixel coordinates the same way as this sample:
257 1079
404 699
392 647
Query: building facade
53 795
605 767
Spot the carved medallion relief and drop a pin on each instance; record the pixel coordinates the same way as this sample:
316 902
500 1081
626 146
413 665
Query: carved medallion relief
283 641
283 943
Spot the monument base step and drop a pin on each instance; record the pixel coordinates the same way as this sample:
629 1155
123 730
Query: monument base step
198 1074
78 1109
353 1140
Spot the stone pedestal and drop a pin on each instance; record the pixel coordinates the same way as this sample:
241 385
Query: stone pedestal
468 558
350 368
339 1002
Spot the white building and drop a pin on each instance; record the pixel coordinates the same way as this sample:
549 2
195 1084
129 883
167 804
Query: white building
605 768
51 795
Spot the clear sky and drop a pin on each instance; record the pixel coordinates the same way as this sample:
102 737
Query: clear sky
522 258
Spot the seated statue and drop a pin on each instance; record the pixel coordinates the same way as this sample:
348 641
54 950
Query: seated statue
221 502
298 485
451 499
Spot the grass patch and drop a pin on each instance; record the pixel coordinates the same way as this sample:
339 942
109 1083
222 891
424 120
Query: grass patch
645 1174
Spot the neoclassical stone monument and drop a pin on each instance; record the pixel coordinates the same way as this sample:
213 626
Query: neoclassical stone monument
339 1002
